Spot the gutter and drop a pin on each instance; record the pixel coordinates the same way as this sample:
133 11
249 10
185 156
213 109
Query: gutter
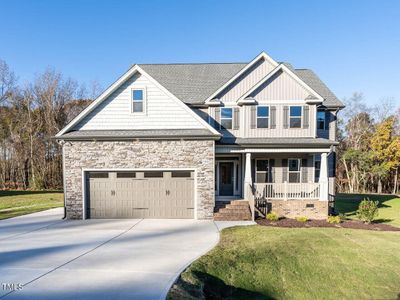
130 138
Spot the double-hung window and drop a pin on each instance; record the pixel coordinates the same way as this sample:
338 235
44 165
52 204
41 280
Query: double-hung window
226 118
138 100
317 167
294 169
295 117
262 117
262 170
320 120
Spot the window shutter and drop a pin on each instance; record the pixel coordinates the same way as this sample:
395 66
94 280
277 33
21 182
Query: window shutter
253 117
306 117
304 171
284 170
285 117
271 169
236 120
217 118
273 117
327 119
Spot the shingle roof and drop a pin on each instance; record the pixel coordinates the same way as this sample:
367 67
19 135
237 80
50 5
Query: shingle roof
137 134
194 83
310 78
307 142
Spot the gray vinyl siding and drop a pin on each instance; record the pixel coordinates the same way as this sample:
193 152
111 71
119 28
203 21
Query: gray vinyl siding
330 132
278 168
246 81
245 129
281 86
114 113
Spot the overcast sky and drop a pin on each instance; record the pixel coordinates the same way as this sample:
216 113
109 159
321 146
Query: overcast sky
353 46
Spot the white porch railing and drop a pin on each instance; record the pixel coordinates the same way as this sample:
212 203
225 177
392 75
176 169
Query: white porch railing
287 191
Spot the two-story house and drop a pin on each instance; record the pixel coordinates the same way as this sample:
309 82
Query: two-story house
222 140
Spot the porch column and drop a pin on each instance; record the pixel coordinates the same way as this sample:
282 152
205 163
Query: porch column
247 177
323 178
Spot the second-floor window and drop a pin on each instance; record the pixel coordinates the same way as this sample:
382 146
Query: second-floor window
138 98
262 117
321 120
295 117
226 118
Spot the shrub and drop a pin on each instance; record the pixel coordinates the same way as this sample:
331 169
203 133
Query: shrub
334 219
302 219
342 217
272 216
367 210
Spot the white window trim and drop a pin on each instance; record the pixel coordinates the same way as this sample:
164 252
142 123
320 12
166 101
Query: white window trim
144 101
301 117
220 118
299 171
269 117
324 119
267 172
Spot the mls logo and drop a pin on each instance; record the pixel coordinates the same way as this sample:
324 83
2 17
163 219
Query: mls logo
12 286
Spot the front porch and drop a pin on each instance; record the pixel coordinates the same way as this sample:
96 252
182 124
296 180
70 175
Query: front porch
290 182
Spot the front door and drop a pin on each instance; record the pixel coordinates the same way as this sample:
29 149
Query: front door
226 178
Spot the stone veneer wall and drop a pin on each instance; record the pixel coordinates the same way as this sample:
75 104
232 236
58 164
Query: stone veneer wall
297 208
197 154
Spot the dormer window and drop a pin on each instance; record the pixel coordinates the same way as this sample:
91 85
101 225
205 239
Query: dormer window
138 100
226 118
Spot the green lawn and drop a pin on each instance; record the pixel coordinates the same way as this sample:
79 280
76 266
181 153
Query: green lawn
16 203
258 262
389 206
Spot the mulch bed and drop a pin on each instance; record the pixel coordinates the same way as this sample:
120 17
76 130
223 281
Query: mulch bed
353 224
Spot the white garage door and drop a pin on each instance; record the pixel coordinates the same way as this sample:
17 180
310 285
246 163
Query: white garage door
145 194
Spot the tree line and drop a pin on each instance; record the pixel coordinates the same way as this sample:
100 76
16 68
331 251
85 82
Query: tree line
30 115
369 150
368 156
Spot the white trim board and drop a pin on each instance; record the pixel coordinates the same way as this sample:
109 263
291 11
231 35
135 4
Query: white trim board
117 84
272 150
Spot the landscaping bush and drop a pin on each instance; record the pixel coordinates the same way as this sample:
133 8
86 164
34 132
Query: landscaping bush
302 219
367 210
272 216
334 219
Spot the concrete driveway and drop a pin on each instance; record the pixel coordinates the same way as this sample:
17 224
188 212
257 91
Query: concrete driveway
97 259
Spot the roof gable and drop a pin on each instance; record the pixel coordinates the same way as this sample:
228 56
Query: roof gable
105 113
282 84
255 67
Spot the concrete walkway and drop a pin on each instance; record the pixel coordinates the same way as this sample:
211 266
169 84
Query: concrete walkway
98 259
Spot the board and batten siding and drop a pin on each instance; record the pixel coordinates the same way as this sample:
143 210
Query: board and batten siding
280 86
278 168
115 112
246 131
246 81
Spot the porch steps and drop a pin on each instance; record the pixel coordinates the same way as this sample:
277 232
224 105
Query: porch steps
235 210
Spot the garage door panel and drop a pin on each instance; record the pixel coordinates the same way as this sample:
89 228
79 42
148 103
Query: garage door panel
155 194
